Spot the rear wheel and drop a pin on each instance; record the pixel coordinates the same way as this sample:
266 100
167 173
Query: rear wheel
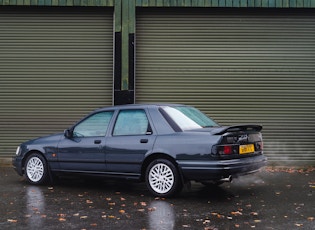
162 178
36 170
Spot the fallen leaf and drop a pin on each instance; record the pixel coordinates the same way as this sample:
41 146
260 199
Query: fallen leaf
62 219
237 213
12 221
122 211
220 216
206 222
83 217
310 218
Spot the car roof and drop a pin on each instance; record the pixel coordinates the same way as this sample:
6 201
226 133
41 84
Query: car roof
128 106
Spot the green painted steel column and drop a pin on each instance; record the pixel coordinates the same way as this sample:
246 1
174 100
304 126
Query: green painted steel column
124 44
124 51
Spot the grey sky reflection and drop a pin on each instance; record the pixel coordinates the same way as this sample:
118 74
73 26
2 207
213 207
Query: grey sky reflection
35 206
163 216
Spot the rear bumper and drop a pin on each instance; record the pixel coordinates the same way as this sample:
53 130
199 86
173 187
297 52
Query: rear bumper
218 169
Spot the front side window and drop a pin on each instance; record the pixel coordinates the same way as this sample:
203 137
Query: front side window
131 122
189 117
95 125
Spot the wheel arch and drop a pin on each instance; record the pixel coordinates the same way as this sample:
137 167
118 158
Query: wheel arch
155 156
30 153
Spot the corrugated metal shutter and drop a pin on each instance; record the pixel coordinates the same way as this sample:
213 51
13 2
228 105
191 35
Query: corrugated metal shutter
55 67
249 67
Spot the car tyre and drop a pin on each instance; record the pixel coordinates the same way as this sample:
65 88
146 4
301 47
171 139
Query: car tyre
162 178
36 169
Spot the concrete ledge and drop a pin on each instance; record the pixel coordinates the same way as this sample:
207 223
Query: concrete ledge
6 162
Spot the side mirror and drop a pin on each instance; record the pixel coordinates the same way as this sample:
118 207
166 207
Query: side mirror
68 133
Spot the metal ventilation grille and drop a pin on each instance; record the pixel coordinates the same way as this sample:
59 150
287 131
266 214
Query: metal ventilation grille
254 67
55 66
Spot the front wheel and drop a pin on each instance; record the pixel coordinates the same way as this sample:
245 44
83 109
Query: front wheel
36 170
162 178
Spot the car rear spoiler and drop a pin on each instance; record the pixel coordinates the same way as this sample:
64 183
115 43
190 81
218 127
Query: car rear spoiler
236 128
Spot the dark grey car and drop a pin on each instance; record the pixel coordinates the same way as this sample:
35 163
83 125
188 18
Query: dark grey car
165 145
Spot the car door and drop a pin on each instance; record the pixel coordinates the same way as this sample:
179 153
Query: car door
82 150
132 137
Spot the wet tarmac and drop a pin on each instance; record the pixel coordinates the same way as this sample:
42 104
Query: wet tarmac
272 199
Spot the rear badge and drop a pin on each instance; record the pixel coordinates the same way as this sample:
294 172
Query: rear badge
243 138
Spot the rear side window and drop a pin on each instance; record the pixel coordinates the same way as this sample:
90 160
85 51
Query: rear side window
131 122
95 125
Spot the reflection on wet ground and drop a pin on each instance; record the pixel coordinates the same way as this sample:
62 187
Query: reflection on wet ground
268 200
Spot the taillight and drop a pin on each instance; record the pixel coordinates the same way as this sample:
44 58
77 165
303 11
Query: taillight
259 145
224 150
227 149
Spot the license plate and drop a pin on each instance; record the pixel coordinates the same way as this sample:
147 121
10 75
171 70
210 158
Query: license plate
246 149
